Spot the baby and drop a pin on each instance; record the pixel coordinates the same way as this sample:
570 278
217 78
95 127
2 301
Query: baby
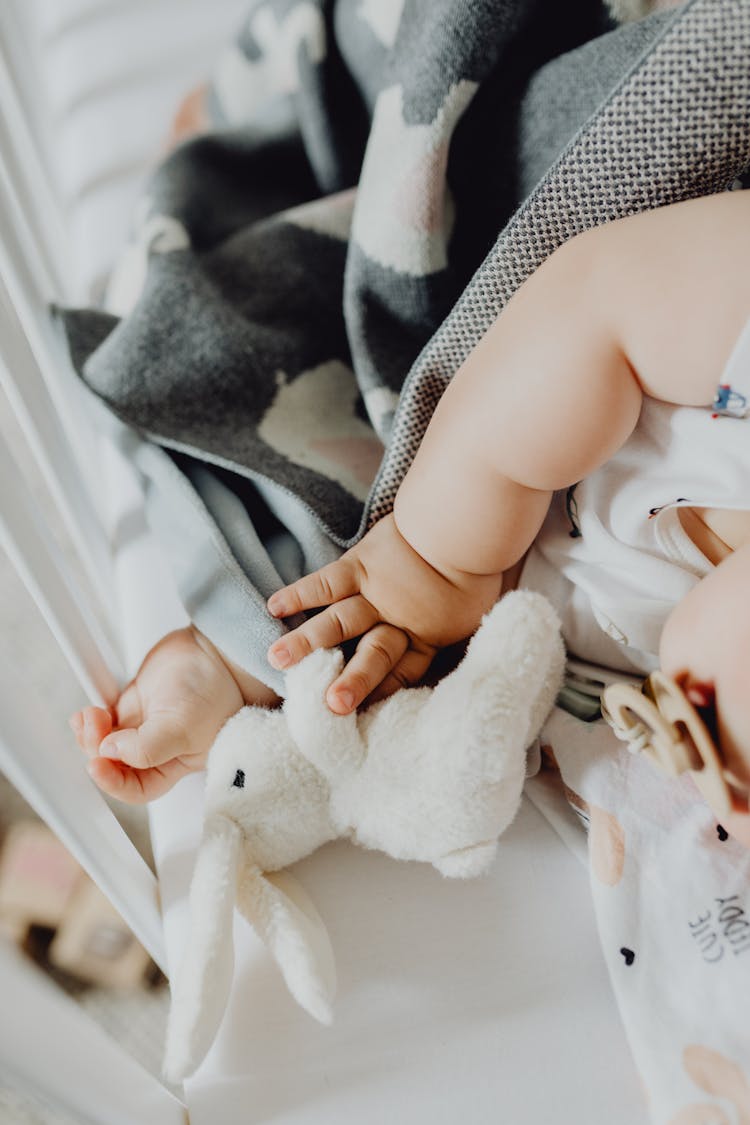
603 369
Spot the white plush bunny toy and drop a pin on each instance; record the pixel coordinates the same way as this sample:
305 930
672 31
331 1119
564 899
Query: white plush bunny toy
431 774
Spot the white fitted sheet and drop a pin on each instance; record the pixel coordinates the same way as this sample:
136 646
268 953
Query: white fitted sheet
484 1001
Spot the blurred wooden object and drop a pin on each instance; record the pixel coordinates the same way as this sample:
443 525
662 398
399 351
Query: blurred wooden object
41 884
94 944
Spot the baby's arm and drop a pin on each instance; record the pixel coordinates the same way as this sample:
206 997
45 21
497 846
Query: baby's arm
651 304
544 398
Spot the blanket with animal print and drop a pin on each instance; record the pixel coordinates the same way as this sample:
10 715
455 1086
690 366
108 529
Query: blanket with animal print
362 159
376 180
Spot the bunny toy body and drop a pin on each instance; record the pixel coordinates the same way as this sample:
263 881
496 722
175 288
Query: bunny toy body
431 774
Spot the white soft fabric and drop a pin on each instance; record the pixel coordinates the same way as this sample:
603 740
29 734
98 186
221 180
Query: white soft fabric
616 584
428 774
114 74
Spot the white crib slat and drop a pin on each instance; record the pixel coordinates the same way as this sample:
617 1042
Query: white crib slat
43 570
51 1047
34 267
38 416
17 34
30 288
30 180
18 233
46 768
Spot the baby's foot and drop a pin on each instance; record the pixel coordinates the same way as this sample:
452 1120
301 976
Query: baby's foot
163 723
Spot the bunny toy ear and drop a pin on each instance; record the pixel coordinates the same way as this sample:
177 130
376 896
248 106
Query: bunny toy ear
284 917
200 989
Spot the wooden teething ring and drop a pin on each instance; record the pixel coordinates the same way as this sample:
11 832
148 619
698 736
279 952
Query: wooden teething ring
662 723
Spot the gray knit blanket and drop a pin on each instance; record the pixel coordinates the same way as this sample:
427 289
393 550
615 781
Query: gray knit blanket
381 175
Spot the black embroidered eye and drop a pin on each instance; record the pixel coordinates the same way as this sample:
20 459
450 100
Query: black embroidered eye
239 779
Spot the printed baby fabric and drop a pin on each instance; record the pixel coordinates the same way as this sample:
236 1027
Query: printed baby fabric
671 894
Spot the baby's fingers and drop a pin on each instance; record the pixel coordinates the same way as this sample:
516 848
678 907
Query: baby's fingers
330 584
342 621
136 787
90 726
380 650
409 671
155 743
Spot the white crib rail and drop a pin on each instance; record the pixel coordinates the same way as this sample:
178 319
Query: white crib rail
51 409
52 778
18 20
31 177
37 558
27 390
48 400
54 1047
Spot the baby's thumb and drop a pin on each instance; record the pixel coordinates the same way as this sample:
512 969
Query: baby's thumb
156 741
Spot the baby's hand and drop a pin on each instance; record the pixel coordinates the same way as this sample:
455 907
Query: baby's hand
402 609
165 721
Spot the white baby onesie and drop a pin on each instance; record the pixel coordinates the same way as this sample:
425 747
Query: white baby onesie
612 555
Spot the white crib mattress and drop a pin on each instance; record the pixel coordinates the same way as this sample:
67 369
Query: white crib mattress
484 1001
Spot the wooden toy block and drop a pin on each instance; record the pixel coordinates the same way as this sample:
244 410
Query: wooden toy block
37 877
93 943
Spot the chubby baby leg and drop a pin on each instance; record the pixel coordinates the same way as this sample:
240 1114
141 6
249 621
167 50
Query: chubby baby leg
164 722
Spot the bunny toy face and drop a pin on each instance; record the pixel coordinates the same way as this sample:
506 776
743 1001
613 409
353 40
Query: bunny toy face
257 777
